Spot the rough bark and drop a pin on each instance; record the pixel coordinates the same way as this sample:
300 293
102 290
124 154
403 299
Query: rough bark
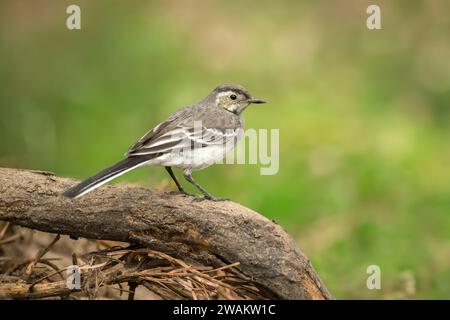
213 233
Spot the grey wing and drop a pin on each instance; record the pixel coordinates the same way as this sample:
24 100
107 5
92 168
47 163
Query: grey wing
184 135
159 133
214 136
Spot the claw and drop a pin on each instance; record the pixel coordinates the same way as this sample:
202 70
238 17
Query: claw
219 199
187 194
210 198
182 193
198 199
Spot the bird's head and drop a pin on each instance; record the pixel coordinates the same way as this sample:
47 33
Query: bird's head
233 97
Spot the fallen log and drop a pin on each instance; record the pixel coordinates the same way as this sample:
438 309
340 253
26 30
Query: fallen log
206 232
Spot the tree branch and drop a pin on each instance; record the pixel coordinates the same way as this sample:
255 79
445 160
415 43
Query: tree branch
212 233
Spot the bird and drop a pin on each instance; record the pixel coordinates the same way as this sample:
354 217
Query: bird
192 138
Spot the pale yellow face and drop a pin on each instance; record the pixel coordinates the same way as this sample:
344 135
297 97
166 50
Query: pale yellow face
232 101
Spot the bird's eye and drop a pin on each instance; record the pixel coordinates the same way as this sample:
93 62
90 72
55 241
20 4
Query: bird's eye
233 97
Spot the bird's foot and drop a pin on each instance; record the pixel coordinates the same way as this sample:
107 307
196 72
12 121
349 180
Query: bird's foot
182 193
210 198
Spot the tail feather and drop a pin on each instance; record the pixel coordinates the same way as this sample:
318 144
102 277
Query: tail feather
104 176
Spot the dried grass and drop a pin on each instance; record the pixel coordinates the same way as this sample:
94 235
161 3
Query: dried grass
116 272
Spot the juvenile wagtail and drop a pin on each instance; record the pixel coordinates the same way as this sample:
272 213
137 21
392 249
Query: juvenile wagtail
192 138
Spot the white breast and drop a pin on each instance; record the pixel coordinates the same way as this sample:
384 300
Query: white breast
198 158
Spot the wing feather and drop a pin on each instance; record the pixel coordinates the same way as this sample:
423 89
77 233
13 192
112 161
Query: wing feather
186 138
180 131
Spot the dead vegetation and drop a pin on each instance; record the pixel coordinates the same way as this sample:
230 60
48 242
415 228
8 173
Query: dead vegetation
113 271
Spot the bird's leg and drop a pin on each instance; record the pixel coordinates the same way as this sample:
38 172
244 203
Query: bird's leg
188 177
174 178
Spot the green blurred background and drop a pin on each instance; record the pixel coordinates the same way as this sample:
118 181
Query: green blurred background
363 115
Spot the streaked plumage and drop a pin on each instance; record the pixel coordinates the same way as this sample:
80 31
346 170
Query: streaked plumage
192 138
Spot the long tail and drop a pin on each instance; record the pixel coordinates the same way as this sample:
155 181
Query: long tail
104 176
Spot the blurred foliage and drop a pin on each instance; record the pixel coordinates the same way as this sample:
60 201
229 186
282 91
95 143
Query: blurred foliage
363 115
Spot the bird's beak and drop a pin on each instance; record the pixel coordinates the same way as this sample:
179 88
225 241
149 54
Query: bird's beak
256 100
